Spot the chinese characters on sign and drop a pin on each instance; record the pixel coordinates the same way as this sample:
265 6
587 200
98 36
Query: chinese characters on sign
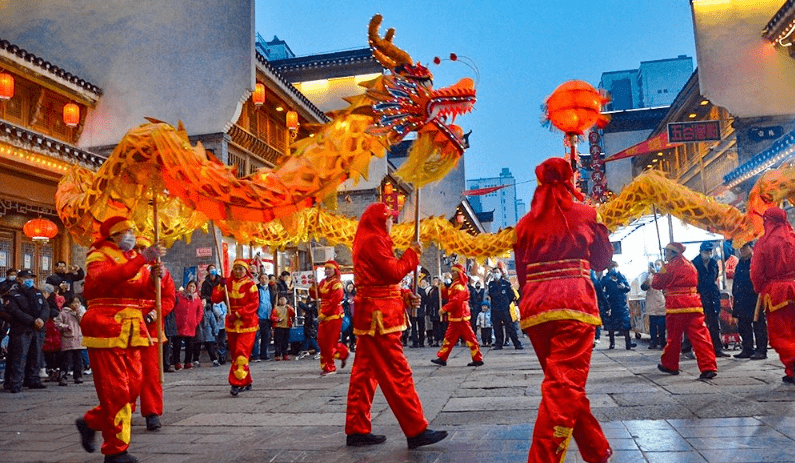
690 132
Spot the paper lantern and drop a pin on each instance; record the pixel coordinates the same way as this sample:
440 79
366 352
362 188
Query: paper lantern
40 229
575 106
258 97
292 120
6 86
71 114
401 200
459 218
388 188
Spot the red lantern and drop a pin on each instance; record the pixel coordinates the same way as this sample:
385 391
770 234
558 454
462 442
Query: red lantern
292 120
459 218
575 106
40 229
401 200
258 97
6 86
71 114
388 188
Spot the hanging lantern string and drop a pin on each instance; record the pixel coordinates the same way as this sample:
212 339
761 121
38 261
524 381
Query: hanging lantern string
462 59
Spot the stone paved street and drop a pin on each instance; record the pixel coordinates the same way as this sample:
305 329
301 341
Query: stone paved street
746 414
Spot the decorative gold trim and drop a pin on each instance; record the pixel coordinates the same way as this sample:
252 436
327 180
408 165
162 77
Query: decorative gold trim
560 314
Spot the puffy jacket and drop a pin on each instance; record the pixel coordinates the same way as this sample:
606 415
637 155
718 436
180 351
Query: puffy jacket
25 305
189 312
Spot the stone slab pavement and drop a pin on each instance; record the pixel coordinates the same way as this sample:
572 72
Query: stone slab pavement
746 414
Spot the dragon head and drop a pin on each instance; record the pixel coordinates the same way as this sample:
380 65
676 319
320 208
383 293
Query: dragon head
407 102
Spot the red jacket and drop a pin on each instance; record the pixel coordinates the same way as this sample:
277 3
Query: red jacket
331 296
773 263
553 265
678 280
243 300
118 292
377 274
457 297
188 313
285 313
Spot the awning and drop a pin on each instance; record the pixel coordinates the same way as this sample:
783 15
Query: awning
656 143
781 150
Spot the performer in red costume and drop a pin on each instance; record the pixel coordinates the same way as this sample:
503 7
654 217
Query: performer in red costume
378 323
457 308
773 276
151 388
242 322
118 292
684 313
557 244
330 320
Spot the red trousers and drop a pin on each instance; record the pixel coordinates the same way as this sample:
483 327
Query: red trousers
380 361
692 324
240 345
151 389
781 331
460 329
564 351
328 339
117 379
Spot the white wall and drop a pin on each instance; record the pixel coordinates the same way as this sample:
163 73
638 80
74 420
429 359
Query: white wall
190 61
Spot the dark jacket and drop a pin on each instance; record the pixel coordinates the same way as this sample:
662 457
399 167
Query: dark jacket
743 291
69 278
502 295
310 318
475 298
433 303
284 291
24 307
707 275
616 294
208 284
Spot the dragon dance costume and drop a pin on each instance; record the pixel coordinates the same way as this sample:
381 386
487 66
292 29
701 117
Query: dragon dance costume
330 320
558 243
241 324
773 276
684 313
118 292
457 308
378 322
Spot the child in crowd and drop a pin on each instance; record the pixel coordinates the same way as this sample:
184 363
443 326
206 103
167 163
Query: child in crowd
282 317
206 334
68 323
484 323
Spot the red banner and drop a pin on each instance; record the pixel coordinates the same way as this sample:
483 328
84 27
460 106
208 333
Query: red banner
484 191
656 143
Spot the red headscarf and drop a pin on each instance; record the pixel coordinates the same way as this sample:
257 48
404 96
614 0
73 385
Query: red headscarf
678 248
112 226
243 264
778 228
458 269
372 226
334 265
555 190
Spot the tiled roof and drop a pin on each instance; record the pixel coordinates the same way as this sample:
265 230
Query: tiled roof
290 88
27 139
340 58
55 72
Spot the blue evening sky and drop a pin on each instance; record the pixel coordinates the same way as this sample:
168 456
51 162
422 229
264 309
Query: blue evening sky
523 49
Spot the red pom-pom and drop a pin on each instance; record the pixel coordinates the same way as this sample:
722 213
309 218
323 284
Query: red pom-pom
453 57
436 60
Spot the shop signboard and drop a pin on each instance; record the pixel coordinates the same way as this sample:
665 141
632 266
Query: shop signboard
692 132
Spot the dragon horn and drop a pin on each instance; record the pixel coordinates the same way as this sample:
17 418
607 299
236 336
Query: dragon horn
384 51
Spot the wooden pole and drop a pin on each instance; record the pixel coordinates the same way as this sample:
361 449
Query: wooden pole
657 226
417 236
219 251
158 302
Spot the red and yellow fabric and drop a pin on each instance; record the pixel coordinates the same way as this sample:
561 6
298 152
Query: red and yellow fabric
457 309
151 388
773 276
117 291
242 323
330 321
683 313
558 243
282 316
378 321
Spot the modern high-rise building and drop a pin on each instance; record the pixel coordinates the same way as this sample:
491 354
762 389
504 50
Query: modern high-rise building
503 201
655 83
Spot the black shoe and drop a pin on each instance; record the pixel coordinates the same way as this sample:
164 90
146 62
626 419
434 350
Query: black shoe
62 381
743 355
362 440
708 375
496 348
721 354
788 379
631 346
15 390
758 356
427 437
475 364
439 361
37 386
247 388
153 423
413 346
235 390
123 457
666 370
519 347
611 346
652 346
87 435
78 381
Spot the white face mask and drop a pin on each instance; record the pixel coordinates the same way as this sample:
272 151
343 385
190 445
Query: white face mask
498 275
12 277
127 242
447 281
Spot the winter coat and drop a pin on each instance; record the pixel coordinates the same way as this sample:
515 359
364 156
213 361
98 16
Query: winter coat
655 300
68 322
208 328
170 325
502 295
616 292
484 320
24 306
433 303
310 319
52 337
265 305
189 312
207 287
743 290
